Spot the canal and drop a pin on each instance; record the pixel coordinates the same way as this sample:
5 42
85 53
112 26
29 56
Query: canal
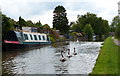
46 60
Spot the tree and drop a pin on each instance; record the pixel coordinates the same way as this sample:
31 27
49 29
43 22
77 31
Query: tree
117 31
99 25
88 31
30 23
87 18
76 27
102 27
71 23
114 23
105 27
60 21
46 26
39 24
22 22
7 25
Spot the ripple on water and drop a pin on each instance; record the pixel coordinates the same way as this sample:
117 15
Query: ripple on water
45 60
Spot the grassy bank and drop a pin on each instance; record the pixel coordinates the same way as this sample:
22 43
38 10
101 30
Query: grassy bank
107 62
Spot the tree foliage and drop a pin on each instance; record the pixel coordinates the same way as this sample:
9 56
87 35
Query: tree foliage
38 24
60 21
88 31
22 22
7 24
114 23
29 23
99 25
117 31
76 27
74 34
46 26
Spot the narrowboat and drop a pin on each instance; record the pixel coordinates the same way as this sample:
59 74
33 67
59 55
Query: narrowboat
20 39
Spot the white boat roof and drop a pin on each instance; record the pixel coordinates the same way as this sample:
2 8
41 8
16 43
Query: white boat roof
29 32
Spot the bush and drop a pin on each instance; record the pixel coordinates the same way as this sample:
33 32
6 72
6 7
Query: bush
52 39
62 39
74 35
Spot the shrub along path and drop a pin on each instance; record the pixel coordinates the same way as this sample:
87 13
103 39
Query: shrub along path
107 62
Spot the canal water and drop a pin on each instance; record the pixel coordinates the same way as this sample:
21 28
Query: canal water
46 60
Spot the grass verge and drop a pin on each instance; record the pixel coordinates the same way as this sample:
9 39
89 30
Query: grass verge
107 61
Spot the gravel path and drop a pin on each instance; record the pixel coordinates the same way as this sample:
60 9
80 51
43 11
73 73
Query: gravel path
116 41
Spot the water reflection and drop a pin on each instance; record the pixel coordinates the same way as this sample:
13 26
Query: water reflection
46 60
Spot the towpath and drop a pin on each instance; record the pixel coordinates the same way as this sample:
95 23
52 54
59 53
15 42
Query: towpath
116 41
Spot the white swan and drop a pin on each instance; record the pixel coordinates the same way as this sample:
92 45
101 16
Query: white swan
77 40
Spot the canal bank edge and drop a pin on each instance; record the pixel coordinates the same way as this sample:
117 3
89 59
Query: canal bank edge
107 61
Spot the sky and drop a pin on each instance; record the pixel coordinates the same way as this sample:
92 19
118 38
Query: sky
42 10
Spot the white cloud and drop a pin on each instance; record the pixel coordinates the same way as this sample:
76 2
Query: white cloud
45 18
110 9
72 15
107 9
15 8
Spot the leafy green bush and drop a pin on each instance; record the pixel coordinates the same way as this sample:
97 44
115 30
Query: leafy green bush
52 39
62 39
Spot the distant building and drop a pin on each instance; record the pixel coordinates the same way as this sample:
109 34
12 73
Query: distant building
112 33
119 8
30 29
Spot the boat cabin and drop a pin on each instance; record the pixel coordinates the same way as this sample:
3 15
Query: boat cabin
23 37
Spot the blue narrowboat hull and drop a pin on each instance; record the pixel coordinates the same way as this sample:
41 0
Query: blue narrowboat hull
24 45
36 43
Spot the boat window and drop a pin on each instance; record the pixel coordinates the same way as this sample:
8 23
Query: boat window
47 38
26 37
31 37
39 37
43 37
35 37
18 34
